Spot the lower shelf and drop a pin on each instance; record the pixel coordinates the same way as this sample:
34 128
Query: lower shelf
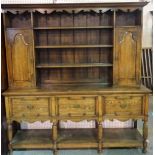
32 139
122 138
76 138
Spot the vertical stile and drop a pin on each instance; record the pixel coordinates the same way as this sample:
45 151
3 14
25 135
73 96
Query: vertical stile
73 13
100 130
100 107
53 106
100 70
5 34
146 106
8 109
61 50
142 73
87 70
142 62
33 44
114 29
47 39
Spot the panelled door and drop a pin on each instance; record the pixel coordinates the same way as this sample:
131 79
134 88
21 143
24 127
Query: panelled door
127 56
19 46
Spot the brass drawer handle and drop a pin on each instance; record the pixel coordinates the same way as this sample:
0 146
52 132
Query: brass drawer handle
123 113
76 98
28 99
30 107
123 97
123 105
76 106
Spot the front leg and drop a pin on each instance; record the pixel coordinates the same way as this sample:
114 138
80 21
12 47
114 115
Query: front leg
10 135
54 134
100 134
145 136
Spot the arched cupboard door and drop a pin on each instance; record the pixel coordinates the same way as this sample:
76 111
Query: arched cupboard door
127 56
20 59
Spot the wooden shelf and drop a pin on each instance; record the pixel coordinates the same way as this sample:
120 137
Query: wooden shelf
76 138
18 28
74 65
32 139
74 46
128 26
80 81
68 28
122 138
71 85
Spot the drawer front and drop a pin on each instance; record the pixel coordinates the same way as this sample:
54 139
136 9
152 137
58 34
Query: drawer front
76 106
123 105
30 107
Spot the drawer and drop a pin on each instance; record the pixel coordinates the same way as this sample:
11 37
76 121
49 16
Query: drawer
76 106
30 106
123 105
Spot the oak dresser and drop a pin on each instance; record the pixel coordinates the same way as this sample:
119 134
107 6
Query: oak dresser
75 62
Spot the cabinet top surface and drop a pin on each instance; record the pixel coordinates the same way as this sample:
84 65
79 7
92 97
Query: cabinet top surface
84 90
74 5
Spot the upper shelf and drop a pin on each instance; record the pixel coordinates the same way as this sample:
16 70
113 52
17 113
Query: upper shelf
66 20
74 65
69 27
74 46
75 5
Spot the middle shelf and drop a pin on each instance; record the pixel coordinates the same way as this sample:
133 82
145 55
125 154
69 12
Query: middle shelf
72 27
72 46
74 65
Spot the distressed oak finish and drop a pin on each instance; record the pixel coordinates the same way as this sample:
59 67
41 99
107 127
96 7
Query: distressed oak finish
128 53
77 106
32 107
20 56
123 105
75 62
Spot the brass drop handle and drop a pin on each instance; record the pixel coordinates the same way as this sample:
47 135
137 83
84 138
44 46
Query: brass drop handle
123 105
30 107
